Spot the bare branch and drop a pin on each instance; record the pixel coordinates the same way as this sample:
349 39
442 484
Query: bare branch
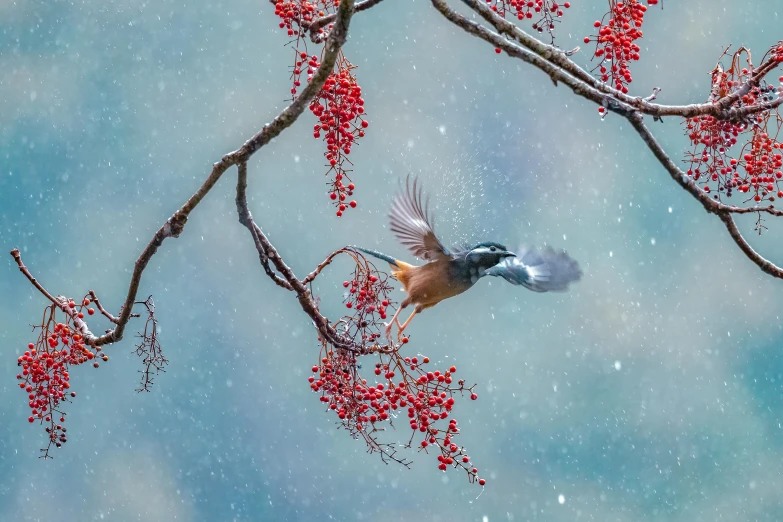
18 258
267 252
247 220
149 349
765 265
312 275
107 315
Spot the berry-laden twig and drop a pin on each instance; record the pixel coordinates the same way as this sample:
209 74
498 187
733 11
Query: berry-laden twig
615 46
742 156
46 368
366 408
339 108
544 13
401 385
339 105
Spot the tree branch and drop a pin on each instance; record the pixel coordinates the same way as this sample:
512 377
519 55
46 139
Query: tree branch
101 309
176 223
720 110
765 265
560 68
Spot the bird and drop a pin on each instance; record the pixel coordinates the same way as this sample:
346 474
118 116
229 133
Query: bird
448 273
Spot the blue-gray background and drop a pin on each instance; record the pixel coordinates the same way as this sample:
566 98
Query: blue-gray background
651 392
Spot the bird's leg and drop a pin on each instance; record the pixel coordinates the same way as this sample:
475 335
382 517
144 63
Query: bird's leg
402 328
391 323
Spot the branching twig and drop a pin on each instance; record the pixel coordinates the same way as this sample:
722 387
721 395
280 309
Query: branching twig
149 348
107 315
318 36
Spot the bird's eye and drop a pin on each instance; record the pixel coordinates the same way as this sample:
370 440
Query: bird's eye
492 249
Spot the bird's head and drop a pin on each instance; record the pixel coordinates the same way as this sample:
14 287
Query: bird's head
487 254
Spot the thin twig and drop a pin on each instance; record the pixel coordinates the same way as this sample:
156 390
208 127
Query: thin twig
107 315
318 36
312 275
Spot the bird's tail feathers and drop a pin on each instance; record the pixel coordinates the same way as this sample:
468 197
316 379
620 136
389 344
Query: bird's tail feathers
374 253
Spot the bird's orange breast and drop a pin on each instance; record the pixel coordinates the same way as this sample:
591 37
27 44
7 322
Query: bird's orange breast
429 284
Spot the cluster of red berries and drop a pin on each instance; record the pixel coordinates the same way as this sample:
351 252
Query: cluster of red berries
295 16
711 139
339 105
369 297
777 52
339 108
45 367
757 170
545 11
302 62
615 47
762 162
426 396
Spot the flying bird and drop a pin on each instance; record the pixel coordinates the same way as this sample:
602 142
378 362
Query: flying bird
448 273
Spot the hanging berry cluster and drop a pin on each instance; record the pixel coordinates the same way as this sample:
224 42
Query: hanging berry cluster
339 105
755 168
544 13
46 364
615 46
339 108
401 386
366 406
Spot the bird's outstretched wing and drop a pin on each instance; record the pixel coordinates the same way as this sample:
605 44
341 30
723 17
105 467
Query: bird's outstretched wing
540 270
411 222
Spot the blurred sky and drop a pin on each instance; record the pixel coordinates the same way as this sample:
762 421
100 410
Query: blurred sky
650 392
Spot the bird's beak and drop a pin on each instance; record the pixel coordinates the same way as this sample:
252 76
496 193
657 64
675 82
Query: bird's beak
509 254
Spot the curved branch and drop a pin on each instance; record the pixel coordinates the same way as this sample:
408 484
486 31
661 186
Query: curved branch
247 220
289 281
765 265
176 223
720 109
710 205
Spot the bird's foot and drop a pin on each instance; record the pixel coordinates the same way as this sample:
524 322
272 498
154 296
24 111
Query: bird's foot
388 331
